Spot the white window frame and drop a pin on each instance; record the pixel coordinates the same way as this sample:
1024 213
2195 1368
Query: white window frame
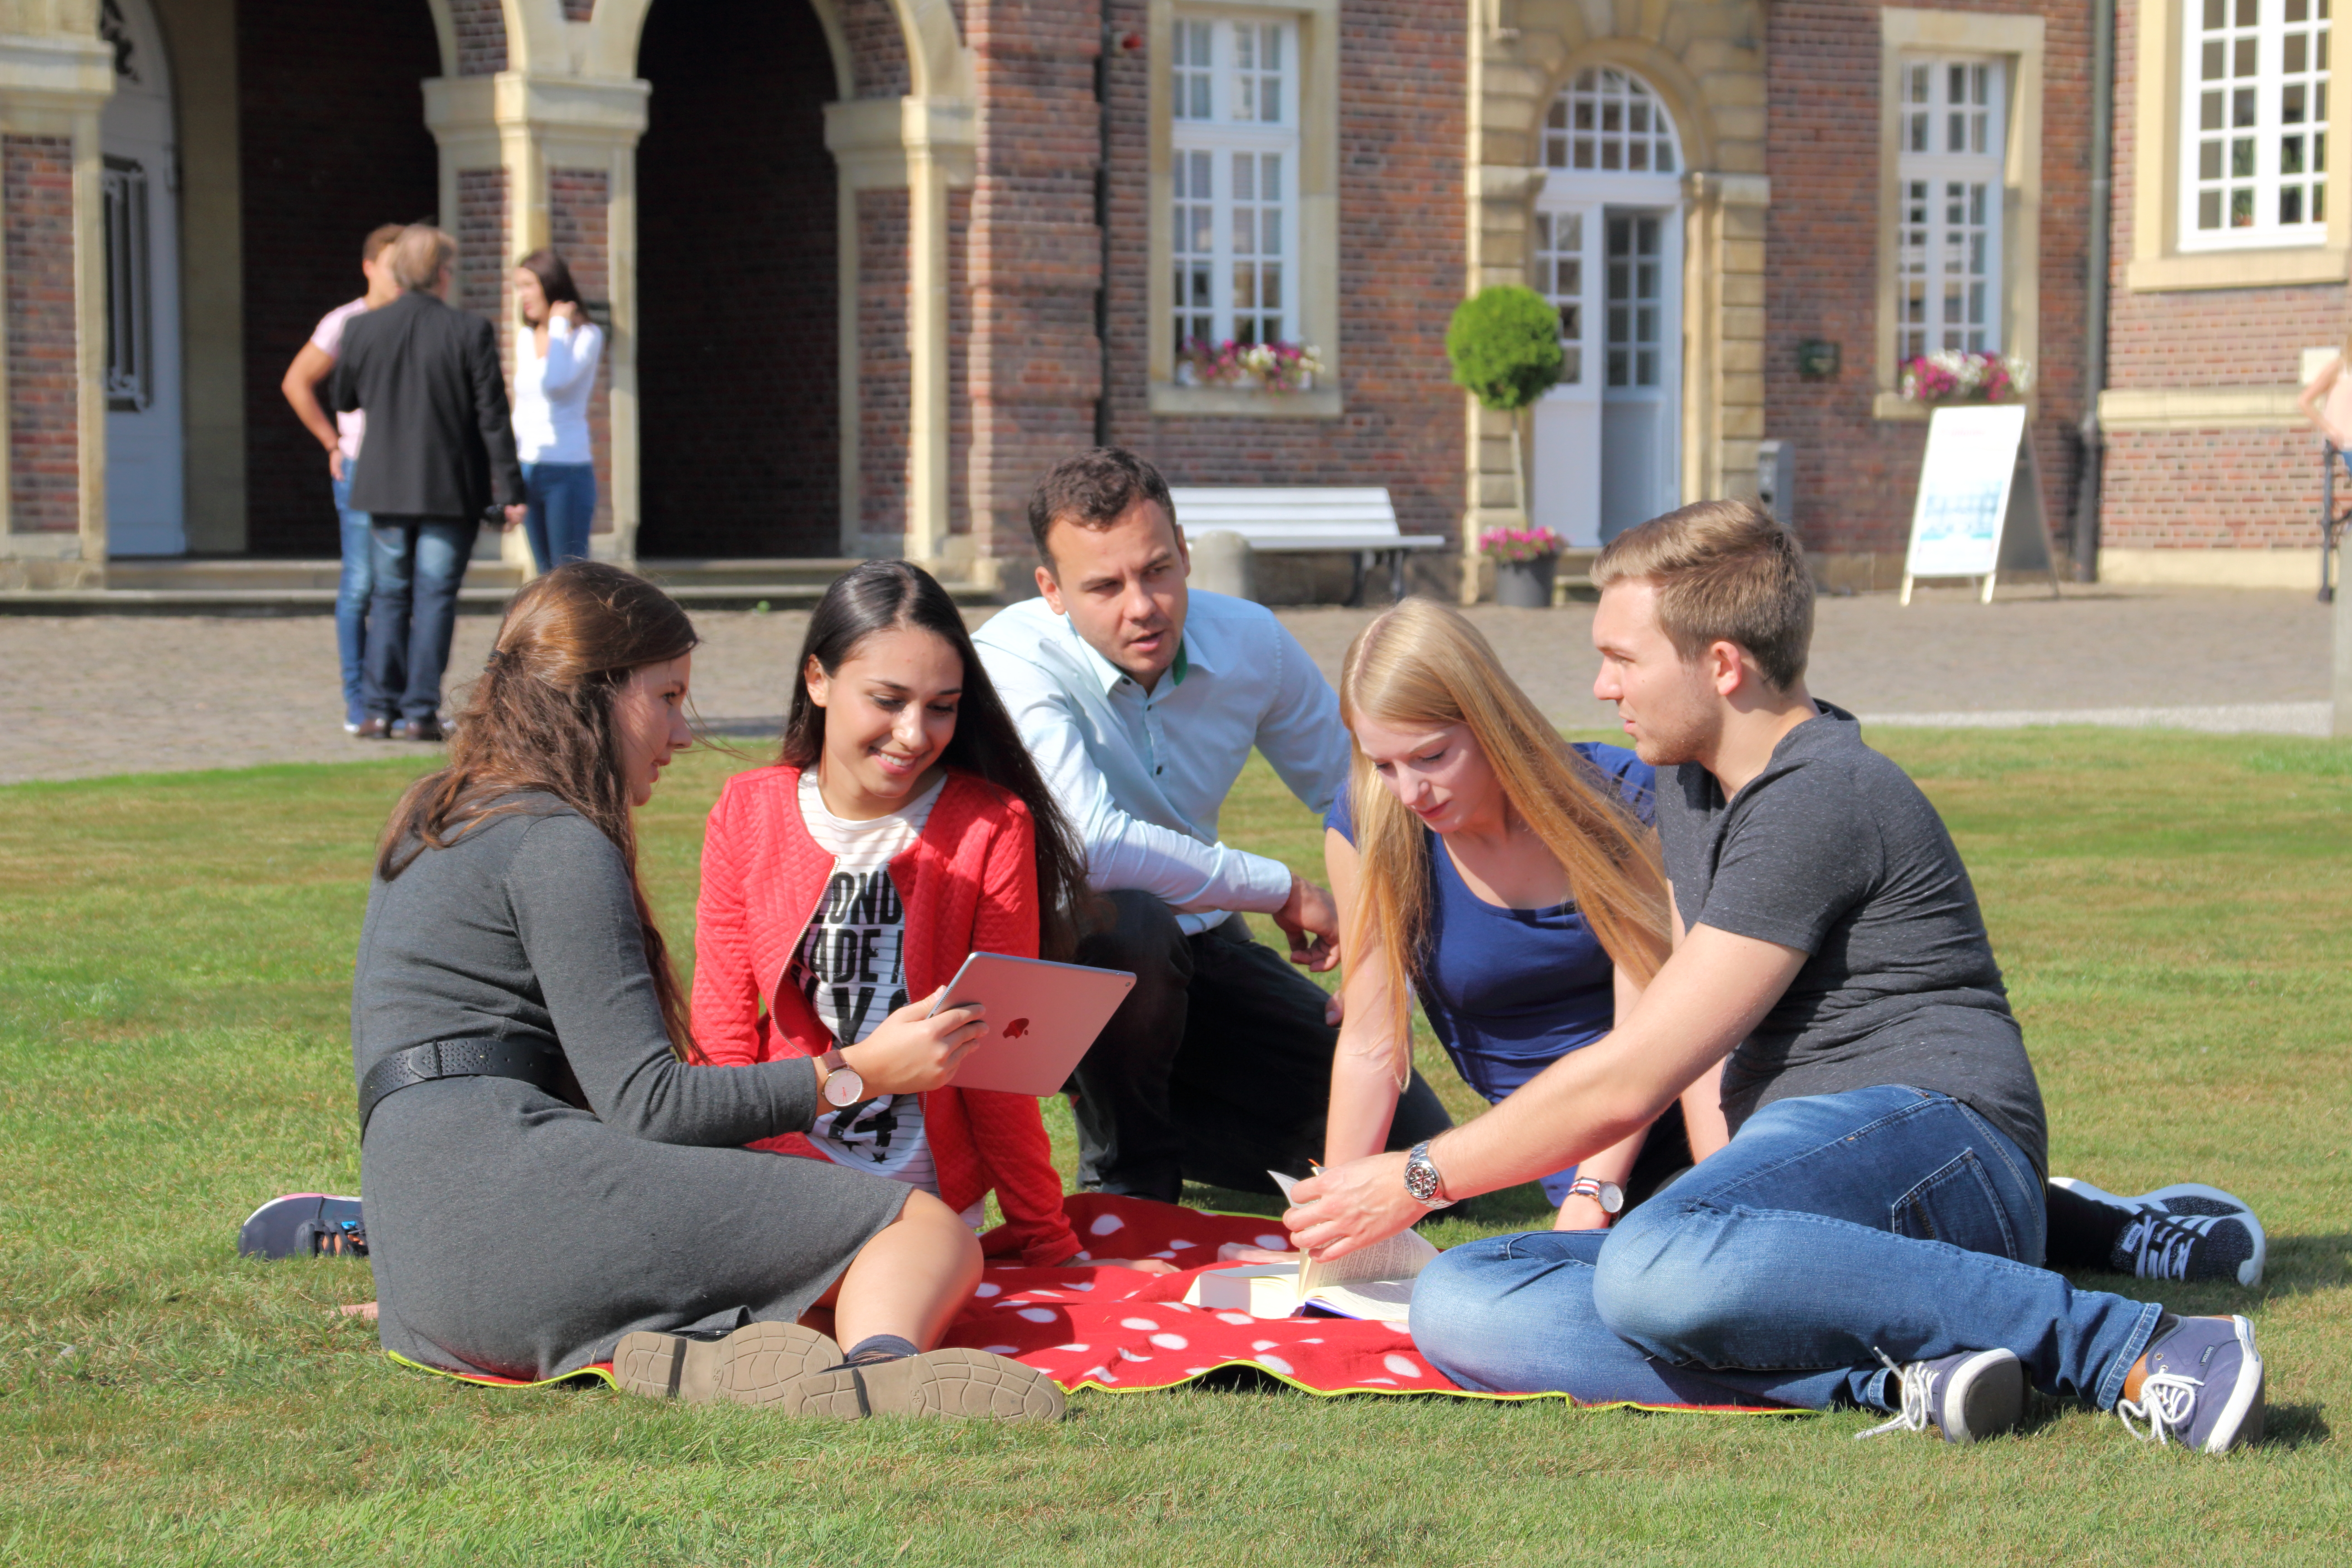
1949 189
1234 84
2252 96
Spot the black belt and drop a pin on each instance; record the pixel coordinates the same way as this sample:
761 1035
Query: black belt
539 1065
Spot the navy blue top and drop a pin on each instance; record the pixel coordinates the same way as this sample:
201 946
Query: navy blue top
1509 991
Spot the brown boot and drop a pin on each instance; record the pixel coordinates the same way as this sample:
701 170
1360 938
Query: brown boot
956 1384
759 1363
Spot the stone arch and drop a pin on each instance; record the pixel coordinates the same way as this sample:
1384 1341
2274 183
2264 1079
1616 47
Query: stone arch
935 61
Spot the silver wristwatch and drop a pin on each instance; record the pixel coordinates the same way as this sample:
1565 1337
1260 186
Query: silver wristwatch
1608 1195
1422 1182
843 1087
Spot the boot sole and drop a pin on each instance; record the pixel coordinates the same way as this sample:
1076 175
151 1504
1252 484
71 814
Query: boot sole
949 1385
759 1363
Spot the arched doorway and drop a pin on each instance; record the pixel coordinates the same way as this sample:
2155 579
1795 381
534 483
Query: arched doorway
1608 253
145 512
739 290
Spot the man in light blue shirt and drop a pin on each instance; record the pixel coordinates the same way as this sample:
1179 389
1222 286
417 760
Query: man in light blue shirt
1141 704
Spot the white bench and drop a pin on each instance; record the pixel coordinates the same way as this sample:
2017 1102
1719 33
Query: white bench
1297 520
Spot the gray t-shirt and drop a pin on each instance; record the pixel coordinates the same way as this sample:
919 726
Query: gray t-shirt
1834 851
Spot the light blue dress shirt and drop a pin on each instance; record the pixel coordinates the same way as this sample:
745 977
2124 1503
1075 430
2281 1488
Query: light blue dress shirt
1142 776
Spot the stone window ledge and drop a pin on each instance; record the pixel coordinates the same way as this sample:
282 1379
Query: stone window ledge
1170 401
1893 405
2235 268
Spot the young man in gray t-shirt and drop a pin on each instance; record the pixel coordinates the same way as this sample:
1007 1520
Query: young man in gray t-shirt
1873 1233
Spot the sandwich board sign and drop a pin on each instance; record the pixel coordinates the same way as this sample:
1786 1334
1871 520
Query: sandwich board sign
1980 507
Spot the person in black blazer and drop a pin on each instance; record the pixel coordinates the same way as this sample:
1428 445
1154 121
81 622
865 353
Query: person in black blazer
440 451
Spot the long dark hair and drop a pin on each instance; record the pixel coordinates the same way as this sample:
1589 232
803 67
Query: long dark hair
554 277
879 595
540 720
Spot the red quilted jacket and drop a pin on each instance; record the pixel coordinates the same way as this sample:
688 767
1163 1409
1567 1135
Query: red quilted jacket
968 884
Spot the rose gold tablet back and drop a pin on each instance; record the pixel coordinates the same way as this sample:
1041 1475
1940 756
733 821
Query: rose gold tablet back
1041 1018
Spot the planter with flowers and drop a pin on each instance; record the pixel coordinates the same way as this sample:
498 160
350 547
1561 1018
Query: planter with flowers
1276 367
1525 559
1949 377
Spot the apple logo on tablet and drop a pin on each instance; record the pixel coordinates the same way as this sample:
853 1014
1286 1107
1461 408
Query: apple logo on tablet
1015 1029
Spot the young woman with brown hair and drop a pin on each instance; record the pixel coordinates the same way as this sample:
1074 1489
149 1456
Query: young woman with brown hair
549 1182
903 827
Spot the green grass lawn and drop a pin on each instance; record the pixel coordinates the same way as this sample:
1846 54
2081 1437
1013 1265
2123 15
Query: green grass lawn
2174 914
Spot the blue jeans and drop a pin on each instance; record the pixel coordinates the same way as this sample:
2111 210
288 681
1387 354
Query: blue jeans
562 500
420 563
352 598
1886 1218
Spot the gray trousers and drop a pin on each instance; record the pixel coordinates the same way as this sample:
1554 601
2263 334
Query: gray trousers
1216 1069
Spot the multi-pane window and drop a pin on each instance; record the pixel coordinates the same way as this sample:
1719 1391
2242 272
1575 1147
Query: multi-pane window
1636 282
1953 117
129 303
1234 94
2254 168
1609 122
1560 278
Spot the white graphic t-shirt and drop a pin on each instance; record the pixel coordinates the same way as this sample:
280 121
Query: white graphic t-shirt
850 965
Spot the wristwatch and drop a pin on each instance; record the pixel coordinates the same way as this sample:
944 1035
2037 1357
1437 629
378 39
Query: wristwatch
1608 1195
843 1087
1423 1181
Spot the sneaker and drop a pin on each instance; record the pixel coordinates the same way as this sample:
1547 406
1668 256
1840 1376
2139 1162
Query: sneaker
2156 1245
304 1224
952 1384
2181 1197
2199 1384
1965 1398
759 1363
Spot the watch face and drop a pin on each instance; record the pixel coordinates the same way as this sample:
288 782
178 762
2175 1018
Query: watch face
844 1087
1421 1179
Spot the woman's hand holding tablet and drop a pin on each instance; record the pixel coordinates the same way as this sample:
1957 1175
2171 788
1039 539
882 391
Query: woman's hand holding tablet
915 1048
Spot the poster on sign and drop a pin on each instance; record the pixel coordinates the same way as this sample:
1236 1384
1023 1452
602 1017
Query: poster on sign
1980 507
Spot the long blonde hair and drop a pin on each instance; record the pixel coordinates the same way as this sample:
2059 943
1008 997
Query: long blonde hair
1423 663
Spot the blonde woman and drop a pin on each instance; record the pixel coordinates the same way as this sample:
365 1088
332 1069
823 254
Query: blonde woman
1508 877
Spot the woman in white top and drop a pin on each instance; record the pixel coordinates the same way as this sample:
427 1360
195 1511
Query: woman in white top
555 372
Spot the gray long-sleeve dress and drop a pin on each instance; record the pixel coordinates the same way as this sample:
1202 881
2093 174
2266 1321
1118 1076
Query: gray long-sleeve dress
517 1235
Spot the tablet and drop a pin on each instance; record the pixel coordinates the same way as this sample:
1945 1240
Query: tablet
1040 1018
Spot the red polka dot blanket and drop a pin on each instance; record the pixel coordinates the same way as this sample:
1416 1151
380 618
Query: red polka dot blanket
1125 1332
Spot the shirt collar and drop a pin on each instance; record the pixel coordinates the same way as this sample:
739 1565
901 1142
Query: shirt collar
1190 658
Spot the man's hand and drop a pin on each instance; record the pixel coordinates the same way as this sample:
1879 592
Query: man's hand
1351 1206
1311 920
516 513
335 462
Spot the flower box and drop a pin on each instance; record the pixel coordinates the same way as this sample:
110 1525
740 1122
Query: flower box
1266 367
1949 376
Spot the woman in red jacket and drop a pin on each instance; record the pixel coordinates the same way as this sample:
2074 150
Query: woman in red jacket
904 827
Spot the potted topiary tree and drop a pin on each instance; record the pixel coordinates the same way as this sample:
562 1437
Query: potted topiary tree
1503 345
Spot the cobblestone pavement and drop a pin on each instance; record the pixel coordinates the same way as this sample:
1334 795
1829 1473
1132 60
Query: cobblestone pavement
87 696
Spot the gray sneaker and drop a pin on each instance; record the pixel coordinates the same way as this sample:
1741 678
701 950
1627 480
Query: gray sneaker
2199 1384
1965 1398
2181 1197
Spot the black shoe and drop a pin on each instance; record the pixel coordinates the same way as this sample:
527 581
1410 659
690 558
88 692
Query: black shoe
427 729
304 1224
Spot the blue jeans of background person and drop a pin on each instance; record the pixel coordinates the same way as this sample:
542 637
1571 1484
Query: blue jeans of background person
420 563
352 598
1887 1218
562 497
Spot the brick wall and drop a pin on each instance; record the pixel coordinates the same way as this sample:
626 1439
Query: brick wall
1403 87
737 372
1857 475
884 368
578 201
44 430
878 67
481 30
331 141
485 235
1035 364
2203 488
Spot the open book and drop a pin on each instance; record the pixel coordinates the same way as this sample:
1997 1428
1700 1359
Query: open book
1374 1283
